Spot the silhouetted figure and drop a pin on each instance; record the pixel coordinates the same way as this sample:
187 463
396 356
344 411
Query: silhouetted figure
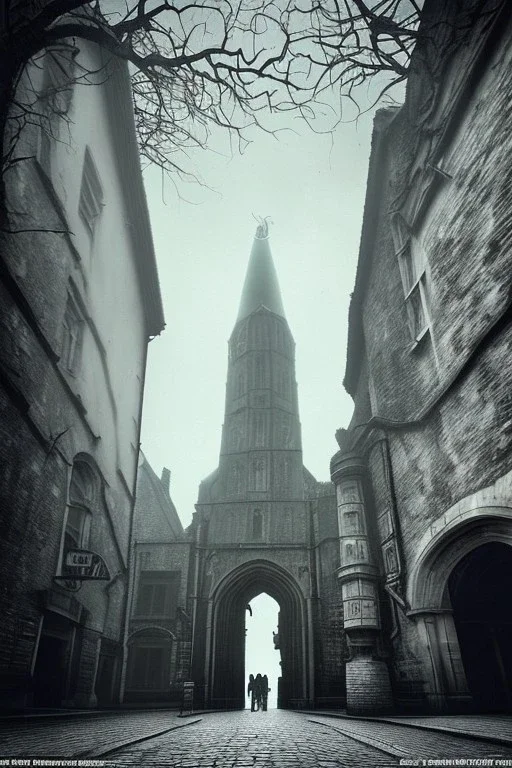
258 691
264 692
251 692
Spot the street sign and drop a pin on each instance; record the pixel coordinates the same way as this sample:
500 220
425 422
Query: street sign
83 565
79 557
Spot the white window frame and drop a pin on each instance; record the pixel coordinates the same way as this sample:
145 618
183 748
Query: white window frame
413 267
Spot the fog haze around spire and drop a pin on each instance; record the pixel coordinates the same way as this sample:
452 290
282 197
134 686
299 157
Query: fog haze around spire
261 286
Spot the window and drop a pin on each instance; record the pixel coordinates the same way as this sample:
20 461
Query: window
257 525
72 336
82 492
91 194
76 533
82 496
236 478
158 593
259 475
413 270
150 662
259 371
147 668
259 430
234 441
283 383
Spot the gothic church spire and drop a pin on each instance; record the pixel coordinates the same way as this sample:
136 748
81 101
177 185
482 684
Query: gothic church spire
261 286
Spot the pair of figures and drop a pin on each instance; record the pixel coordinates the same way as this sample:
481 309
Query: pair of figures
258 690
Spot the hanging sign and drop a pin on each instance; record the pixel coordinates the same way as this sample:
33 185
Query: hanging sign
83 565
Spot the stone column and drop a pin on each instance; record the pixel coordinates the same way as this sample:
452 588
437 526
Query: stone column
367 676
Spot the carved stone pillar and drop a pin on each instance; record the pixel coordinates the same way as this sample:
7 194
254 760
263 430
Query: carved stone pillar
368 684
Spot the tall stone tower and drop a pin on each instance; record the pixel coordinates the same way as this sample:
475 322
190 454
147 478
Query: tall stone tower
252 523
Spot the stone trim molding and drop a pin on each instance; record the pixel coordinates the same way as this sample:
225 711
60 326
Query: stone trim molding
480 518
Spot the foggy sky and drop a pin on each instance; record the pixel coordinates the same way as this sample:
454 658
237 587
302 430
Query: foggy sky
312 186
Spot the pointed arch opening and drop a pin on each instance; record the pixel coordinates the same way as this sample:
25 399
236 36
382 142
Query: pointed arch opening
262 656
225 673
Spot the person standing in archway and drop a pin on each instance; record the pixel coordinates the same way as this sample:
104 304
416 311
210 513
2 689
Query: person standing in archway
258 691
250 691
264 691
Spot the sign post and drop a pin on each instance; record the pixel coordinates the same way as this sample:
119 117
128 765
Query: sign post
187 703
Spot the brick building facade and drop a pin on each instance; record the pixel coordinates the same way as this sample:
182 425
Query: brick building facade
79 300
159 632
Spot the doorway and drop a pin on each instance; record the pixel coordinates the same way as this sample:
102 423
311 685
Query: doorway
479 588
261 645
50 671
226 678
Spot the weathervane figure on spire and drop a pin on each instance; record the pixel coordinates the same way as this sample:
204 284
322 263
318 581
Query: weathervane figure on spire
262 228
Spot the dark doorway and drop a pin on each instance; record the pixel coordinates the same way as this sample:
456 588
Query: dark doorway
479 589
50 672
105 680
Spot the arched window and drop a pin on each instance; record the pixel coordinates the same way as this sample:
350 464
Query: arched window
257 525
259 471
82 493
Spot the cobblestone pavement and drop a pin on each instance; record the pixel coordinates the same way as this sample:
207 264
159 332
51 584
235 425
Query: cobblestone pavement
486 725
78 735
490 726
274 739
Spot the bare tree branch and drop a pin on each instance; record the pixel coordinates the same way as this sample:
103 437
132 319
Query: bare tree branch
199 66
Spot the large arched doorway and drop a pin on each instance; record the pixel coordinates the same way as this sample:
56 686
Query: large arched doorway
226 673
479 589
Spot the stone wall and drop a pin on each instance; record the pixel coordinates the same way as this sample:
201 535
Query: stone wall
433 412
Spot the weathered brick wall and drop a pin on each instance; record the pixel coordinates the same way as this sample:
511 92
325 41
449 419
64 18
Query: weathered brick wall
442 406
368 688
330 641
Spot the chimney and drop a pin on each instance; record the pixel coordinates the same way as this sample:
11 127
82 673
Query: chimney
166 480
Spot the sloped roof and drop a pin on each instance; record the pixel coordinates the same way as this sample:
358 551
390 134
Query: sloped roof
155 511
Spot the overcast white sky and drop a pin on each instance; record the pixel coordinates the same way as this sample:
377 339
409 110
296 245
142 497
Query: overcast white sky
313 188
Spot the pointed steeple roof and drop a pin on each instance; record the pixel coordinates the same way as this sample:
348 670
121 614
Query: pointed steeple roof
261 286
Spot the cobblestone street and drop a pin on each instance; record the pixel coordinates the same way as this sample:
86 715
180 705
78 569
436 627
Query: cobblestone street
274 739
